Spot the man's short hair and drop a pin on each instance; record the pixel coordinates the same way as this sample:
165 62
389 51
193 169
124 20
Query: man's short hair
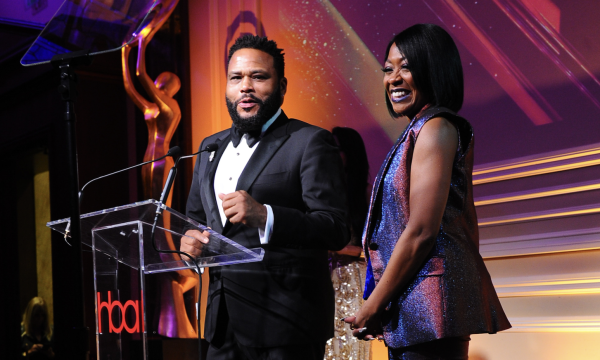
263 44
434 63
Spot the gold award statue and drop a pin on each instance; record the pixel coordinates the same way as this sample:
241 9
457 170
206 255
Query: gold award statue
162 115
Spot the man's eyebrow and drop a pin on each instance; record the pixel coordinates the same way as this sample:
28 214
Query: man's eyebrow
254 71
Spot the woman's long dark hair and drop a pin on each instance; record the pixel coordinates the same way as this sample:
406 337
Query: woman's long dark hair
356 170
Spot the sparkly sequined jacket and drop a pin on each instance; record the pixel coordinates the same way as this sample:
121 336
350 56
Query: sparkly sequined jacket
452 294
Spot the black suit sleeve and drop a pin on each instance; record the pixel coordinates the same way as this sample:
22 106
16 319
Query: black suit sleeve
194 207
323 223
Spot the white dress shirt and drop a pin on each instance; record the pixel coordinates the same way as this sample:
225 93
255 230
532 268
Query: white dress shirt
232 163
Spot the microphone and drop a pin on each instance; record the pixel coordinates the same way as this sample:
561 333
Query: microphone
173 152
163 198
209 148
173 172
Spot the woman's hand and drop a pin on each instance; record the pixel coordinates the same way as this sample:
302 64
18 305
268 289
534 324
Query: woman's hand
366 324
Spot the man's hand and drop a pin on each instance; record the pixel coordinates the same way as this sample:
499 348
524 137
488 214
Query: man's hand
239 207
351 250
193 244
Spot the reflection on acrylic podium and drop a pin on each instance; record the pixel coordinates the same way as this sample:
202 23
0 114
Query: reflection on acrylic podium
124 261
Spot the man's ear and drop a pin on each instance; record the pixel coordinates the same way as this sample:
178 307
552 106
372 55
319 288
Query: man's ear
283 87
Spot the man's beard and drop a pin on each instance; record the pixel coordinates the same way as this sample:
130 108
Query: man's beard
266 110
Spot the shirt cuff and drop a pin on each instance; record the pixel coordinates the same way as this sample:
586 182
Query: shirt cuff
265 234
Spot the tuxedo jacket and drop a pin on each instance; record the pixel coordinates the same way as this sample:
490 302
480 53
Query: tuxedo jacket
287 298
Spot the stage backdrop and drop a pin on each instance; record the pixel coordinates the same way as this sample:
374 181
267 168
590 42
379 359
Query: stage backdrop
532 70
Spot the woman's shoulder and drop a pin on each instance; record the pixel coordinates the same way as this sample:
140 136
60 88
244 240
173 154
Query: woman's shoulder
433 112
442 119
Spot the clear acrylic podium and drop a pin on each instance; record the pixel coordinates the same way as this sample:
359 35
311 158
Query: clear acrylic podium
124 261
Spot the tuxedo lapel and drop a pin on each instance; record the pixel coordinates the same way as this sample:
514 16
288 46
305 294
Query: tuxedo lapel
267 147
209 179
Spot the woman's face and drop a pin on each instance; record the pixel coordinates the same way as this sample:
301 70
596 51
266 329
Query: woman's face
399 85
37 318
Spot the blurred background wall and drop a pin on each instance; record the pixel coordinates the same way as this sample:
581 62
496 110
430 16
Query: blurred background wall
532 95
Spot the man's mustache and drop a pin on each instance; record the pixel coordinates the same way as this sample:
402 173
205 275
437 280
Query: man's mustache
248 96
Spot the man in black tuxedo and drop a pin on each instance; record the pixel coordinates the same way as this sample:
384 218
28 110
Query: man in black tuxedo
275 183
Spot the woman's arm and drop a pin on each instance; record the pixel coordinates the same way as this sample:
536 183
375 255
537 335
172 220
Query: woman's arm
430 177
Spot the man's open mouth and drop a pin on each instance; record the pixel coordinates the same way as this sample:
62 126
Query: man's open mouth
247 102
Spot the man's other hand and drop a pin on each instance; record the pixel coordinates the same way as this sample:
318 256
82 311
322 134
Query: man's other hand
240 207
193 241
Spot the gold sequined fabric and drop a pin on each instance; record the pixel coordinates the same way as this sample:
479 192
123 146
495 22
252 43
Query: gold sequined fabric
347 275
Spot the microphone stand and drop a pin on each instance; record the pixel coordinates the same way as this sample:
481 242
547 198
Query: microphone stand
66 63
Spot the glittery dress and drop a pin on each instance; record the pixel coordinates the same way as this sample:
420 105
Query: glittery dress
452 294
347 276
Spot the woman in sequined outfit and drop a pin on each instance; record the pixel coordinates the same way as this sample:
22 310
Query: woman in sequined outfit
427 288
347 267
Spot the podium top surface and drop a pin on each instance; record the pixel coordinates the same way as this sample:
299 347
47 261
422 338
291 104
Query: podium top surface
89 26
123 233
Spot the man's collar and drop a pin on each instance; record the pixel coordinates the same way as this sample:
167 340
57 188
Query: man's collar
271 121
252 137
